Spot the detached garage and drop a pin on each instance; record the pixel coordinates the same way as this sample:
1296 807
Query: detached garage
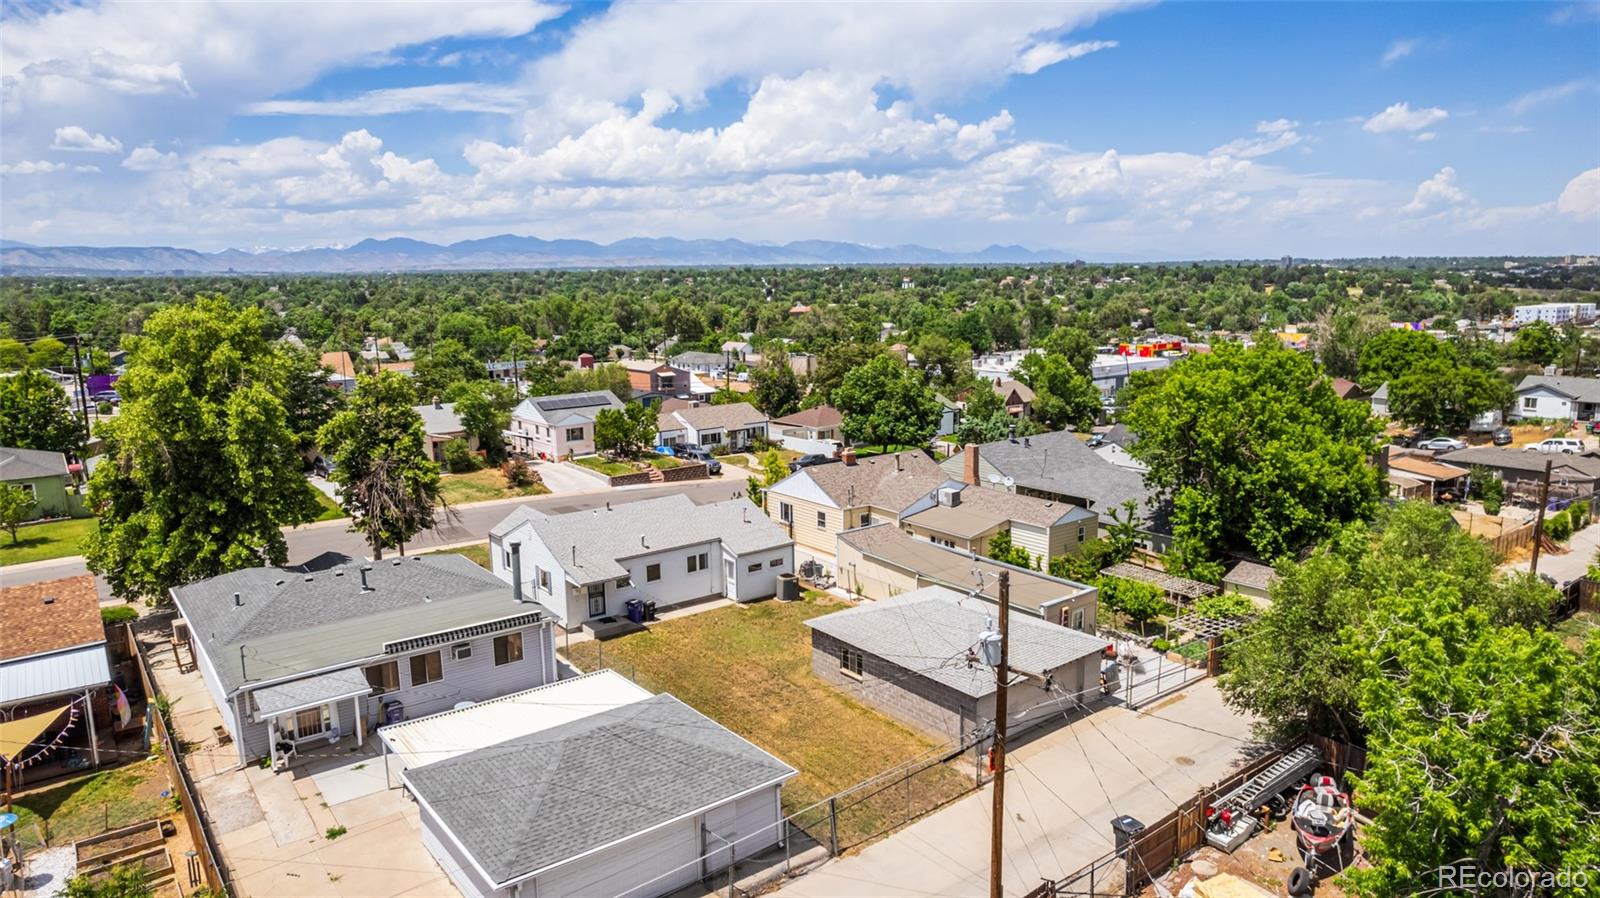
910 657
602 789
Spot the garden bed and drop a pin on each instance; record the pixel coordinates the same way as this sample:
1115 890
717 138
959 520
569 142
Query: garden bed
108 847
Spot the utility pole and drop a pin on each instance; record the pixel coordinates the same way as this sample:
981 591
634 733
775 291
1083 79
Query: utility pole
1538 522
1002 673
83 394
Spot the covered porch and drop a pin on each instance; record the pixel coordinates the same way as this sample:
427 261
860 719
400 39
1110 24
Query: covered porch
312 715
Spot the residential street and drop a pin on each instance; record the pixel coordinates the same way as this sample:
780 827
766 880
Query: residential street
473 525
1062 791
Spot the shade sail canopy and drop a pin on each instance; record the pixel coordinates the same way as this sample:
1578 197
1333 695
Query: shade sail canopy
19 736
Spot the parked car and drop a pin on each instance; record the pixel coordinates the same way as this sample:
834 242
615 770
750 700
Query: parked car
1502 436
807 461
1594 426
702 454
110 396
1565 445
1442 444
742 377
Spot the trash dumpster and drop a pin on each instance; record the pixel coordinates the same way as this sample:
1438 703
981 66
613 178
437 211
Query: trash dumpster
636 611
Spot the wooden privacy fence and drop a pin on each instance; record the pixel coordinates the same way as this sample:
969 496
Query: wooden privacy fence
214 873
1510 540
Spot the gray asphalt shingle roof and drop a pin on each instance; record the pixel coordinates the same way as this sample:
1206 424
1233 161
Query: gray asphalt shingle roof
297 694
1061 463
929 630
704 416
440 419
290 621
591 544
26 464
513 806
1583 389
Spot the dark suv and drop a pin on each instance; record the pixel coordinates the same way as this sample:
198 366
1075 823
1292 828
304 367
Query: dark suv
700 453
807 461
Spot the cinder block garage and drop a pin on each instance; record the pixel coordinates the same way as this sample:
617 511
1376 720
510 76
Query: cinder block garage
908 656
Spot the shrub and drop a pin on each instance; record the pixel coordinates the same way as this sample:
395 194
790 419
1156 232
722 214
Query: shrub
1558 526
1491 506
722 449
1226 604
103 407
519 473
458 458
1160 645
119 614
1578 514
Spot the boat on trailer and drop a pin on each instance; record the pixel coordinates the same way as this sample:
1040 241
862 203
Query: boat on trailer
1322 817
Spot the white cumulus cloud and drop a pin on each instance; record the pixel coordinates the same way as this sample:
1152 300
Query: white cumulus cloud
150 159
1435 194
75 139
1401 117
32 167
1581 197
1047 53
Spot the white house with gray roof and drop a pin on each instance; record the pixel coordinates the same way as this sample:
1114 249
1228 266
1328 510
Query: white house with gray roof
326 651
557 427
586 566
588 787
1558 398
440 425
735 424
908 656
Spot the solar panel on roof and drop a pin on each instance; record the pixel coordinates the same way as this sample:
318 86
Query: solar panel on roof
565 402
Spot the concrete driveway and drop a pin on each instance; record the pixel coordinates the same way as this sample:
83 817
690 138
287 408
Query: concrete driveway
1062 790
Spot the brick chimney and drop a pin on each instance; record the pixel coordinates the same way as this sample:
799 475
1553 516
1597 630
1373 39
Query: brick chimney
848 456
969 465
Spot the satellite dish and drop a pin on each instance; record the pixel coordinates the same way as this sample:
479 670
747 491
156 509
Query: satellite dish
994 478
1009 482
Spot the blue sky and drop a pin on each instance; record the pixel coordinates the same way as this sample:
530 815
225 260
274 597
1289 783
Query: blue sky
1166 130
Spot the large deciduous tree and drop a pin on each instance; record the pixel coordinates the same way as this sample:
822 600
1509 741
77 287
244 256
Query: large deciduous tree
1063 397
387 482
885 403
445 364
484 407
1074 343
1256 452
36 414
775 390
1394 352
625 432
200 471
1440 396
1537 343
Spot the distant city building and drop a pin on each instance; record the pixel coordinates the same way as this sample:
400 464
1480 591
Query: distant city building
1554 312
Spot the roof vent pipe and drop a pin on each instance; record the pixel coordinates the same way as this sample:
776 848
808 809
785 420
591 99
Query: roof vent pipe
365 587
238 600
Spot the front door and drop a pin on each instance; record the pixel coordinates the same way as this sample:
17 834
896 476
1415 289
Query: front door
597 600
730 586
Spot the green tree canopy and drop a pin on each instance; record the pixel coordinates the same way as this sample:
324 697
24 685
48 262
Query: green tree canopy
1075 344
775 390
1537 343
1256 452
1441 396
837 362
625 432
1063 397
200 471
1393 352
884 403
600 377
484 407
946 364
36 414
445 364
16 506
387 483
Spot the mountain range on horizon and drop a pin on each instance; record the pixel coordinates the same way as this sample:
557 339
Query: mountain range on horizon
498 253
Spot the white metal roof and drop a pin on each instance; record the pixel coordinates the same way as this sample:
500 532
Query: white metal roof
447 734
53 673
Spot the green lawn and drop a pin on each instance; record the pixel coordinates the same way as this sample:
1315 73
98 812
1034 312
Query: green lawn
603 465
37 542
479 553
868 451
749 668
89 806
664 462
479 486
330 509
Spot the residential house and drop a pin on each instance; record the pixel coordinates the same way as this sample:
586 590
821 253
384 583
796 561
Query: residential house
343 370
701 362
558 427
1250 578
999 365
1444 482
43 476
885 652
821 422
1347 389
735 424
1062 467
508 371
1558 398
307 656
1379 401
1523 471
440 425
907 488
803 364
654 381
56 696
949 415
587 565
880 561
1017 397
1110 371
1114 446
589 786
738 350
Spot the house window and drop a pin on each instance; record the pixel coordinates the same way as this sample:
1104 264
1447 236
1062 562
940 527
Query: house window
31 490
822 520
383 677
785 512
426 669
776 562
866 518
850 663
1530 403
1077 618
624 582
574 434
754 568
1080 533
507 648
697 562
597 600
544 579
652 573
711 439
311 722
507 558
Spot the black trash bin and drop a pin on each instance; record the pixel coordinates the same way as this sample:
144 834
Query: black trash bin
649 610
636 611
1125 828
393 712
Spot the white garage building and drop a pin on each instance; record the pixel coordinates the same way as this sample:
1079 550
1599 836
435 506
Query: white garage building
587 787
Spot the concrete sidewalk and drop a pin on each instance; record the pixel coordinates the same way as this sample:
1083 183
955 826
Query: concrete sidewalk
1062 790
1572 564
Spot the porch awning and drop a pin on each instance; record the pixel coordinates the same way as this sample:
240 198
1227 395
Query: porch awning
17 736
297 695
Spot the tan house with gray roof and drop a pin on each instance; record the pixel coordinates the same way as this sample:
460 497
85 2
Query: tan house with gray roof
735 424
